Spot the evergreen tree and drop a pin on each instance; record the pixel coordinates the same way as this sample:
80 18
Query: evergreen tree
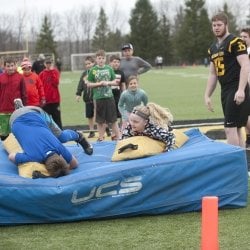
165 48
45 42
192 40
144 30
100 39
205 38
114 41
178 21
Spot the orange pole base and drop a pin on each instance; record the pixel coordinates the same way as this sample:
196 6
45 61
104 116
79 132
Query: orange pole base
209 225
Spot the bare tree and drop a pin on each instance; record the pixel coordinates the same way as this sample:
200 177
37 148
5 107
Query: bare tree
88 21
169 8
117 19
21 31
240 9
6 28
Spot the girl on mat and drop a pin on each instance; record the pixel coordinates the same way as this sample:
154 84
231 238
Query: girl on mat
153 121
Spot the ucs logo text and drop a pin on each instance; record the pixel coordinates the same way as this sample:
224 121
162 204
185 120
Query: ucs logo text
115 188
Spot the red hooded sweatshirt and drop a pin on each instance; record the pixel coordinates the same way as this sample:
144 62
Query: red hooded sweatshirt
34 88
11 87
50 80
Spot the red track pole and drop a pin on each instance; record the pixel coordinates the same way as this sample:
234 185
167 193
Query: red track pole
209 224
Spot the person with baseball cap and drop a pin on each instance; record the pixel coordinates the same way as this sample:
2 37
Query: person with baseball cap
34 86
132 65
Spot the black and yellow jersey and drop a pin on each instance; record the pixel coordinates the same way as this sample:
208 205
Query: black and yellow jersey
224 58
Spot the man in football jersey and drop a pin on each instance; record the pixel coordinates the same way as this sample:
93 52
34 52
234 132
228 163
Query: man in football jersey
229 64
245 35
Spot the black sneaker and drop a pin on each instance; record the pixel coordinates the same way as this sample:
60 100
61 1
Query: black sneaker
91 134
87 147
108 132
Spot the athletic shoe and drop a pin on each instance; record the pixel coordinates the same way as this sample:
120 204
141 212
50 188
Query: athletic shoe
247 145
114 138
87 147
108 132
18 103
91 134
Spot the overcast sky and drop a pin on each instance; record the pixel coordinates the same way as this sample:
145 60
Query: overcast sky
123 6
58 6
63 5
12 6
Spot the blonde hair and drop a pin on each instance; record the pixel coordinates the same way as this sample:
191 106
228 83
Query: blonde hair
156 114
100 52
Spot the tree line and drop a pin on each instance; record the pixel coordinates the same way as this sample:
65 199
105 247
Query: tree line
182 38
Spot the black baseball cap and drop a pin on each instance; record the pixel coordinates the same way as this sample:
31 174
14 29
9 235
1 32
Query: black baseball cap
127 46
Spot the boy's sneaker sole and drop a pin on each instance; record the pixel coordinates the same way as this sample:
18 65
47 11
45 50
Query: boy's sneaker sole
87 147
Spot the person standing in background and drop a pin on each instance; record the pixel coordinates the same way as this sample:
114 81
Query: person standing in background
101 77
33 84
87 95
50 78
59 64
38 65
132 65
115 62
159 62
229 64
245 36
12 86
131 97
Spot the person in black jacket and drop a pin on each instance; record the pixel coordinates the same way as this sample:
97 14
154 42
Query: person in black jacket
38 65
87 95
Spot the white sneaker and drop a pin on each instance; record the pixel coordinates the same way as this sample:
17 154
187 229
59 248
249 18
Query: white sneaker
18 103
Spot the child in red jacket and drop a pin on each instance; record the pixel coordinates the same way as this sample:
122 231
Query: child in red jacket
12 86
50 78
34 85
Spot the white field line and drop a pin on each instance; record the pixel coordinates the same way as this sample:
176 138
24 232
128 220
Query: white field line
184 75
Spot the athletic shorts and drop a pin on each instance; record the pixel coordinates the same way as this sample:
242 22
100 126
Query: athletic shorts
117 94
249 103
89 109
106 110
234 115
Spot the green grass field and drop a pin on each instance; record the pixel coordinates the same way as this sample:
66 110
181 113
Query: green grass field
181 90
